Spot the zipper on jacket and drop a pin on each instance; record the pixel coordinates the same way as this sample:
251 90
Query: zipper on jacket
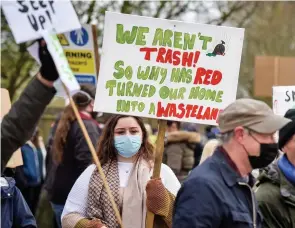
253 204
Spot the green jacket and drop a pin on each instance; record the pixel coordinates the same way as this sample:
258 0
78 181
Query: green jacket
276 198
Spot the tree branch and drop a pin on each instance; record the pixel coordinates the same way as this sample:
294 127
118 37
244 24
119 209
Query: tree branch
90 11
160 8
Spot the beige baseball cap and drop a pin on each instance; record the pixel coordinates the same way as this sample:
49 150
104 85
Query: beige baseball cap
253 114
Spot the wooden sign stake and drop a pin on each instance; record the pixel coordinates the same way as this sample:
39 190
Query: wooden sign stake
158 162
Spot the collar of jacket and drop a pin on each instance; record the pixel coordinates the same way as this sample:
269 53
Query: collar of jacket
86 117
227 168
7 191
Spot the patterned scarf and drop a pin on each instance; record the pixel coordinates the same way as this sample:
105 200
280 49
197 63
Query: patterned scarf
98 203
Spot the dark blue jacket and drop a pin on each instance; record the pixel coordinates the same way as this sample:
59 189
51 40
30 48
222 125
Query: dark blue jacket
15 213
215 196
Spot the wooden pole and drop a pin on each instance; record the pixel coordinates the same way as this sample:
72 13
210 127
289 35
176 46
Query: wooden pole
94 155
95 44
158 162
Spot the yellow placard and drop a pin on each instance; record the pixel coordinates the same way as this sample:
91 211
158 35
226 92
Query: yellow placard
81 61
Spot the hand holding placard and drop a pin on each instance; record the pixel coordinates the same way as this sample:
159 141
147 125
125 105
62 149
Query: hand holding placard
48 69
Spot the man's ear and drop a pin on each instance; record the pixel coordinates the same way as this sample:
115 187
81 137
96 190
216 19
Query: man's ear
239 134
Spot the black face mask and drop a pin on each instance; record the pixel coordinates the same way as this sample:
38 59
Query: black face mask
268 153
93 115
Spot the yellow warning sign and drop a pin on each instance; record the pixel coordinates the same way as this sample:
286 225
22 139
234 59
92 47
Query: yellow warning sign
81 61
63 40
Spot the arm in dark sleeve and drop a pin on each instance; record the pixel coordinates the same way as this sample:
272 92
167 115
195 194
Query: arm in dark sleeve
18 125
22 215
82 152
197 205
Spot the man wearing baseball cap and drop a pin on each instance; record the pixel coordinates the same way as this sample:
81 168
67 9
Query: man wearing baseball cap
218 193
276 187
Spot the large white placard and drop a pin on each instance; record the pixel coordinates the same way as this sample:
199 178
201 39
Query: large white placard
283 99
167 69
27 19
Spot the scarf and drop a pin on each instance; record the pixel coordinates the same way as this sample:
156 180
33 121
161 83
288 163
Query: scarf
133 202
287 168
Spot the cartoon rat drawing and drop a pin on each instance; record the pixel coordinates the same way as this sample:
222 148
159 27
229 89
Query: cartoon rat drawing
218 50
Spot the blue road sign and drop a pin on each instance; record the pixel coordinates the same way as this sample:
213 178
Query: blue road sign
79 37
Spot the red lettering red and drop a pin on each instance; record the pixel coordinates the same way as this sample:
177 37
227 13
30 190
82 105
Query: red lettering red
182 111
148 52
216 78
207 77
161 111
172 111
187 59
214 114
199 115
188 110
168 57
206 115
160 57
176 58
195 108
199 74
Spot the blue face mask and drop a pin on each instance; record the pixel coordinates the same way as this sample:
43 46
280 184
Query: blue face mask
127 145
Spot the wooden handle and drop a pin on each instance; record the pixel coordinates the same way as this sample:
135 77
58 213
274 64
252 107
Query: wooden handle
157 166
94 155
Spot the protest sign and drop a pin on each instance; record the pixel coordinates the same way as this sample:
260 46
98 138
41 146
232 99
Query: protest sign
16 159
167 69
283 99
79 48
27 19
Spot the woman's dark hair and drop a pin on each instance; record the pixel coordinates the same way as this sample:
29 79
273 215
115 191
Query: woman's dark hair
106 150
82 100
170 123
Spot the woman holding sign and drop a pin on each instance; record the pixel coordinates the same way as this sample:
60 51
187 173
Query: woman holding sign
126 157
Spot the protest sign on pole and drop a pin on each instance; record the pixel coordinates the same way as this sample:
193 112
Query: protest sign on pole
79 47
167 69
16 159
283 99
27 19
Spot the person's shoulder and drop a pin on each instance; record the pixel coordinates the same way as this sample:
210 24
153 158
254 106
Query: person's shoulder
268 192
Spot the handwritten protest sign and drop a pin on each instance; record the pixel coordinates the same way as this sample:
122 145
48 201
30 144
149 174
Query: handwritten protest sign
283 99
27 19
167 69
16 159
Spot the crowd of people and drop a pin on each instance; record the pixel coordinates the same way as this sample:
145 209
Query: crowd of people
205 180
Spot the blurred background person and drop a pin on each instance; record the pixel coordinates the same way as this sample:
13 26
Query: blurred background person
179 151
29 176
